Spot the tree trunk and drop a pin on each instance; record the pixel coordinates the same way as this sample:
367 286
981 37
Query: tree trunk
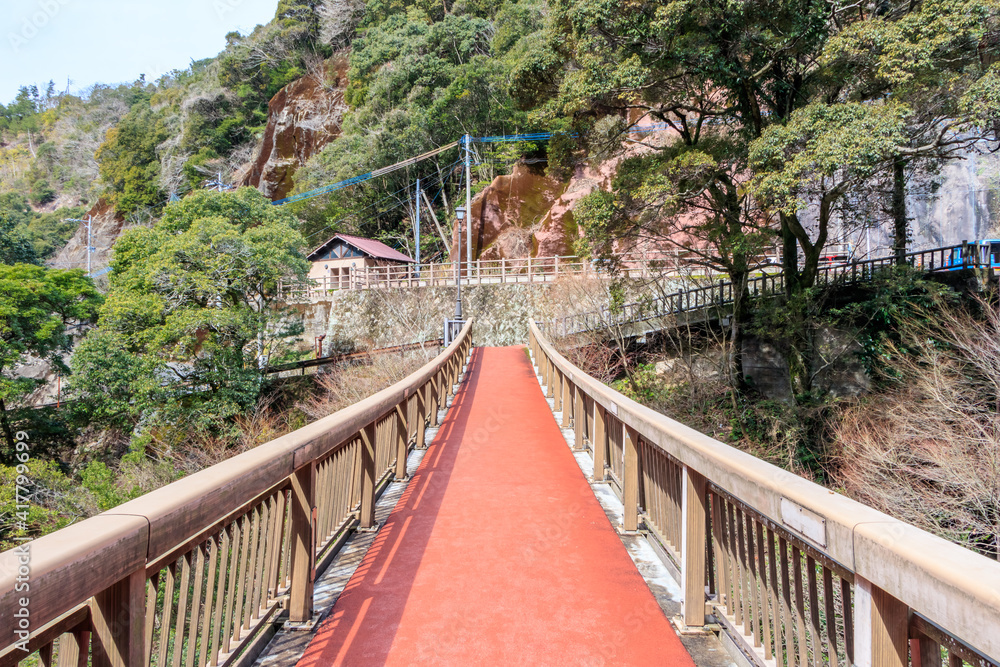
900 225
810 266
741 316
8 432
789 257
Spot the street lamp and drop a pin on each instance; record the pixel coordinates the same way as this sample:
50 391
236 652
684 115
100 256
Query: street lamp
460 214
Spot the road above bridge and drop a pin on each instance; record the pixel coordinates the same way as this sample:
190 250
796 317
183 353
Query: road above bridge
498 552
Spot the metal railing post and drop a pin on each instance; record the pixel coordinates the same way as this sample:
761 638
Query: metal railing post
303 544
600 444
421 399
74 648
566 401
579 419
402 444
926 652
881 627
433 399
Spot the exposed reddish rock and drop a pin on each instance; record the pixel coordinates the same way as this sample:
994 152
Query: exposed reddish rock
507 211
528 213
302 118
106 227
558 229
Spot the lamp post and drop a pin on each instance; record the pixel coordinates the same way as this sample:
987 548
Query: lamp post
460 214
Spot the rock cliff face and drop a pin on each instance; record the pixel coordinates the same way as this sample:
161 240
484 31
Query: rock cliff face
106 227
303 117
508 213
964 206
529 213
559 230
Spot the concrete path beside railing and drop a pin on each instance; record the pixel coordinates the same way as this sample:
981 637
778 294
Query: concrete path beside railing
498 552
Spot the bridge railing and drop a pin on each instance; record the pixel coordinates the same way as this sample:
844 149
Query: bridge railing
720 293
193 572
713 294
483 272
794 572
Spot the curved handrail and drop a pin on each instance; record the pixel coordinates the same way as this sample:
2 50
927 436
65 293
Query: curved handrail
677 477
267 497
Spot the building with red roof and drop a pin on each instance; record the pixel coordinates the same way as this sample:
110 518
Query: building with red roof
343 254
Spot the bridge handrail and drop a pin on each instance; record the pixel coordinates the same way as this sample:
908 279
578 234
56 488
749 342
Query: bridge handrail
271 512
936 259
481 271
906 584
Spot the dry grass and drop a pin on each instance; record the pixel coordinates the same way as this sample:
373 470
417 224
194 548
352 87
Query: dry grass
928 452
279 414
347 386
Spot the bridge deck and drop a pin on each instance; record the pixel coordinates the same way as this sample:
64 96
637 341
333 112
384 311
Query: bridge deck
498 552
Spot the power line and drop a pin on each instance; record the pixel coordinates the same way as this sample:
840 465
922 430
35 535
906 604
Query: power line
466 140
365 177
429 183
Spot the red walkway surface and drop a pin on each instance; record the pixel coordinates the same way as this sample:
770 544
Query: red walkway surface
498 553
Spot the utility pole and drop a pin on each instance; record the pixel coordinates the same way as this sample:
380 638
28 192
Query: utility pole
89 222
418 227
460 213
468 204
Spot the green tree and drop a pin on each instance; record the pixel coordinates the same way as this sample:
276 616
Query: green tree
713 74
49 232
299 19
823 152
191 319
214 124
15 216
414 85
938 59
56 501
128 160
37 307
21 115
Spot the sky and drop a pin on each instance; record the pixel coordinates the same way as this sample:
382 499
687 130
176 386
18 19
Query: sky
113 41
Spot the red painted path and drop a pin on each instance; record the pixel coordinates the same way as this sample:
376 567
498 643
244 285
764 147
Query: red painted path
498 553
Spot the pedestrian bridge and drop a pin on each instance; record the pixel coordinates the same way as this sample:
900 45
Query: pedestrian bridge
495 548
